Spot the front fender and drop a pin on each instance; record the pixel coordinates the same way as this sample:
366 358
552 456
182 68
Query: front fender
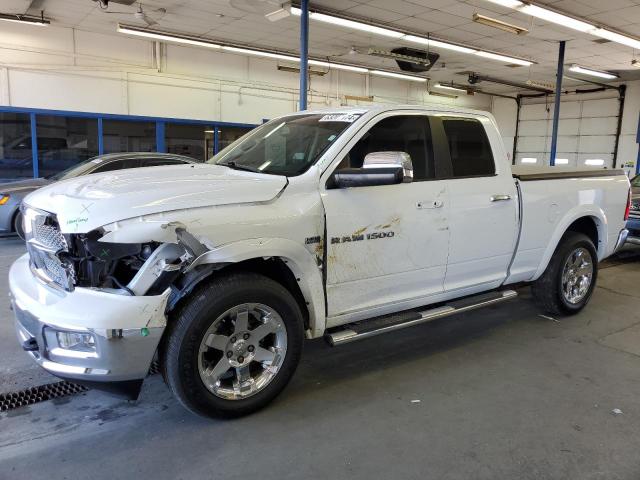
576 213
299 260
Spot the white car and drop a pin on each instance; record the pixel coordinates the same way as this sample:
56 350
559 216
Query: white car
344 223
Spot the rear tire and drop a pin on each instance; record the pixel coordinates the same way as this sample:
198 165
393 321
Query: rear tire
18 227
233 346
567 284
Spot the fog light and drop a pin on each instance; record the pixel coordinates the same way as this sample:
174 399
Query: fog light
82 342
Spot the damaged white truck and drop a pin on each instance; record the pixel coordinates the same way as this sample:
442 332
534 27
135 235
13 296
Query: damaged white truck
344 224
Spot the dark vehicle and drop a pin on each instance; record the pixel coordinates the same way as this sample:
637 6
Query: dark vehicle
12 193
633 224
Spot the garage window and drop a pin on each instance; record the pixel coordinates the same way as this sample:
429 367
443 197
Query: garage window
126 136
64 142
194 141
469 147
16 160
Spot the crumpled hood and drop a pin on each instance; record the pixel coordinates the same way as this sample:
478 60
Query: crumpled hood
23 186
85 203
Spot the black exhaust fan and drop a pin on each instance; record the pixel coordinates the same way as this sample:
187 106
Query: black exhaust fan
430 59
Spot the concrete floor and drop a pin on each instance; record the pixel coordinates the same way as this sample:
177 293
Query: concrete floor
500 393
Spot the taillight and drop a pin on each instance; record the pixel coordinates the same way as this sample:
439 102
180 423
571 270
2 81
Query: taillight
628 209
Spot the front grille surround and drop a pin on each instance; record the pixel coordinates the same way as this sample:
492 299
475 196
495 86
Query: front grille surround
46 244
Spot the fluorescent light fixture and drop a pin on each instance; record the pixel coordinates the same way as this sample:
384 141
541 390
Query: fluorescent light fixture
617 37
570 22
338 66
594 162
26 19
529 160
504 58
387 32
593 73
166 37
283 12
492 22
555 17
343 22
562 161
449 87
438 44
261 53
402 76
507 3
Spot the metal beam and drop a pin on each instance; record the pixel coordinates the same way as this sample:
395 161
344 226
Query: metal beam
556 105
304 52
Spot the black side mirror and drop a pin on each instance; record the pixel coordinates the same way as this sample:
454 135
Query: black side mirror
379 168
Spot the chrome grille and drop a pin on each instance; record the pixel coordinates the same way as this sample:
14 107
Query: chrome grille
45 243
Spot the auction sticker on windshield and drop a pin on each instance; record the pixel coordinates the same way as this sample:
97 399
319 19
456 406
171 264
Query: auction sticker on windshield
340 117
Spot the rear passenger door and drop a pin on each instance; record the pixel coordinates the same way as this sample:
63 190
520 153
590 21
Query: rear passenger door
483 203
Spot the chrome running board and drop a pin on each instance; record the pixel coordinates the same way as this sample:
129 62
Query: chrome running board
370 328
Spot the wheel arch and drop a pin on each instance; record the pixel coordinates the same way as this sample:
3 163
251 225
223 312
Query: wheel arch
592 222
281 260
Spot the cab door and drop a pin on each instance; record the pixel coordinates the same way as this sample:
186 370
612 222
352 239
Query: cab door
387 245
483 202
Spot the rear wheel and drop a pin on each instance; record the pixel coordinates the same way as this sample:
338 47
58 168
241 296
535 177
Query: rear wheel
18 227
234 346
566 286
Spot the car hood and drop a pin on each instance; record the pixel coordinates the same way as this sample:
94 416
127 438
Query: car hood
85 203
23 186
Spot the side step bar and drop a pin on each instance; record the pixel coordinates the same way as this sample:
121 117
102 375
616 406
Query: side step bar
371 328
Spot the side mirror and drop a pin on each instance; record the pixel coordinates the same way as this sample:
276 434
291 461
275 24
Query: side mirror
379 168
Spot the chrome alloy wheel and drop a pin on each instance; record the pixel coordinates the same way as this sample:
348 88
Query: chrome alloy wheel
242 351
577 275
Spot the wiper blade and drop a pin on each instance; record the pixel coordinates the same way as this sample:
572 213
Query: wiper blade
235 166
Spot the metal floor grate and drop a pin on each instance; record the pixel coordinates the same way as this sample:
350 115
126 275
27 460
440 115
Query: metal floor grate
42 393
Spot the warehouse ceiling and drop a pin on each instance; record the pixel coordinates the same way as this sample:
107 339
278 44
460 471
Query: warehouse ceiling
243 21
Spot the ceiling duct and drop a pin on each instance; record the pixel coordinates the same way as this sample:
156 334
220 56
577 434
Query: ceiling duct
475 78
105 3
428 59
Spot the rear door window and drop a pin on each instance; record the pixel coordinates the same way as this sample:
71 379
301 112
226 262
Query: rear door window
469 147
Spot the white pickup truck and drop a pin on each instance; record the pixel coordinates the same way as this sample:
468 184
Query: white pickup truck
345 224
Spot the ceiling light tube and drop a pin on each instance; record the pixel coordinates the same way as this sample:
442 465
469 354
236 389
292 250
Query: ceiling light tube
555 17
387 32
592 72
402 76
261 53
449 87
166 37
339 66
617 37
507 3
529 160
504 58
25 19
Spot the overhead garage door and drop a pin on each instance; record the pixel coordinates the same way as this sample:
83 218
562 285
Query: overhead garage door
586 133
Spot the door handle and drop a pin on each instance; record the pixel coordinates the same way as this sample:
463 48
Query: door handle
430 204
500 198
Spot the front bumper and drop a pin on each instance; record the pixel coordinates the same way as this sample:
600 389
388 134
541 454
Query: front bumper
127 329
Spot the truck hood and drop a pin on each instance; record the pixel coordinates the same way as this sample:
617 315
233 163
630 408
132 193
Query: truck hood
85 203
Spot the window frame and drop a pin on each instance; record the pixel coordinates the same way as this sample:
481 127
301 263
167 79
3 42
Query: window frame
160 123
439 164
443 145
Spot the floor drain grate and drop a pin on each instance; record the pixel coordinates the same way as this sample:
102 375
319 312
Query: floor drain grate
29 396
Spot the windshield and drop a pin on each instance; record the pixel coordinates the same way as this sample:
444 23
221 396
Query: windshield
635 181
286 146
76 170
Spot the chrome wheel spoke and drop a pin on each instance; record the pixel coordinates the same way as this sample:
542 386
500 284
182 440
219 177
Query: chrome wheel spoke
219 342
270 325
213 374
242 321
264 355
243 383
577 275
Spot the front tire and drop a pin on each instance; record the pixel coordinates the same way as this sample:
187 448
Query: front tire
567 284
233 346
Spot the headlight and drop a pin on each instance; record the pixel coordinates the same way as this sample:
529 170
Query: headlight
4 198
78 341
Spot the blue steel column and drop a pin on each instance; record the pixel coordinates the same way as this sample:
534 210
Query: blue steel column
100 137
304 52
556 106
160 142
34 146
216 139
